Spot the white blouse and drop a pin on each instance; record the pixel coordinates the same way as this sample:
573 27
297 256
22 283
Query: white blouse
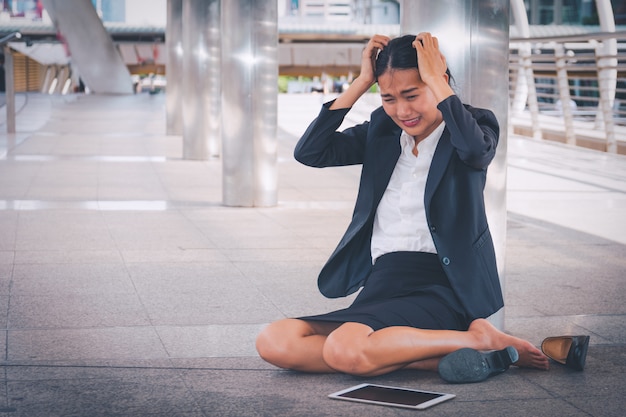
400 221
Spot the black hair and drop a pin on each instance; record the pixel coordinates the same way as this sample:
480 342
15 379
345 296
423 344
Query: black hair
399 54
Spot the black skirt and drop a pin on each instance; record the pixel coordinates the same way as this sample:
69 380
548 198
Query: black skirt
404 289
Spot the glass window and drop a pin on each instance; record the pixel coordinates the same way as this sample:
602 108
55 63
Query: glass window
571 12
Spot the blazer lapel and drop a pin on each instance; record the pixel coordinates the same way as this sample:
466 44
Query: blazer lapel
386 156
442 155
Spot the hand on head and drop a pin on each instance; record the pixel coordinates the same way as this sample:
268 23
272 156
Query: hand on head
368 57
431 62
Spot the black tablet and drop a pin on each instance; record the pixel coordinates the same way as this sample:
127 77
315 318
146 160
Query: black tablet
391 396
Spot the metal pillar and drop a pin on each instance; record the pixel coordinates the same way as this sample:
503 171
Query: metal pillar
201 81
98 61
174 69
474 37
9 86
250 58
9 79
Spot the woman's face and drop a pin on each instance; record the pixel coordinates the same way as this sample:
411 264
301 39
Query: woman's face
409 102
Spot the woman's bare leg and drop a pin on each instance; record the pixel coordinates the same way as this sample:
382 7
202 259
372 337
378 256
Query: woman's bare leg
295 344
355 348
529 355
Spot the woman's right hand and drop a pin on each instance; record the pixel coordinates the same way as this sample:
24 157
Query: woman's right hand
368 58
366 79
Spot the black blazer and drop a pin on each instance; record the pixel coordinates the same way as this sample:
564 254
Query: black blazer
454 201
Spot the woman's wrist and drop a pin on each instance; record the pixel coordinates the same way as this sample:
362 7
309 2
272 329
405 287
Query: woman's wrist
360 86
357 88
441 89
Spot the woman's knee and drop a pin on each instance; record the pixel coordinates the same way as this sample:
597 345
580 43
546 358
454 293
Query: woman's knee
348 354
271 344
277 343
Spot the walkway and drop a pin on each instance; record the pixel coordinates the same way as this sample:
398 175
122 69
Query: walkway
127 289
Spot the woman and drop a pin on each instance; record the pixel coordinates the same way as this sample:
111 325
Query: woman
418 243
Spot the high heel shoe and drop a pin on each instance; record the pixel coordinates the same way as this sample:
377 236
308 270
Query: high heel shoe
570 351
470 365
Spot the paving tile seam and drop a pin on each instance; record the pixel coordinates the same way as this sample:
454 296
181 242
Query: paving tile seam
9 364
551 395
88 158
570 179
138 326
160 205
543 314
104 205
554 191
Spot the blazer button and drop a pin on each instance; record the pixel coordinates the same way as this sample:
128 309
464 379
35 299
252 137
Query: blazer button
445 260
433 229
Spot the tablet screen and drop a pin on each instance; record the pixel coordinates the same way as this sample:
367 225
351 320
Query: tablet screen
380 394
390 395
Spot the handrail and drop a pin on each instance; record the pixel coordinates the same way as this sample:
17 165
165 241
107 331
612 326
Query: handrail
573 38
587 71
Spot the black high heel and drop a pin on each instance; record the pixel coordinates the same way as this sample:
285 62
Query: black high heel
570 351
469 365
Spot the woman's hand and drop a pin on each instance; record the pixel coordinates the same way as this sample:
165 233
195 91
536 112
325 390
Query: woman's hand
366 79
368 57
432 65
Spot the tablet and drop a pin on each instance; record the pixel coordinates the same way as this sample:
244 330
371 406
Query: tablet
392 396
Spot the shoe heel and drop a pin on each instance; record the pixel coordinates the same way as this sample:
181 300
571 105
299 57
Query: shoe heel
500 360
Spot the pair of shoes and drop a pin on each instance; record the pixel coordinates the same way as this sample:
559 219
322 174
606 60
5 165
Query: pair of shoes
570 351
469 365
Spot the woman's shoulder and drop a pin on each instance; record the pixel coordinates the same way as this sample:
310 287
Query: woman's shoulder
381 121
479 112
453 105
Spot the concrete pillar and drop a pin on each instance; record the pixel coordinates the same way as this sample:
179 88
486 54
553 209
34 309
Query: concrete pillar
174 68
249 101
202 79
474 37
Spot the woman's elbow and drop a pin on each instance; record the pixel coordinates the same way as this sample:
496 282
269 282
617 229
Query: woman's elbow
306 158
480 160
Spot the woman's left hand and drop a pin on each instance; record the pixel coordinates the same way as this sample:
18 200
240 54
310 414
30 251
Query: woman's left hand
432 66
431 62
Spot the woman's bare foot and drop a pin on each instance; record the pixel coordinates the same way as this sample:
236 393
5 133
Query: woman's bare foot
494 339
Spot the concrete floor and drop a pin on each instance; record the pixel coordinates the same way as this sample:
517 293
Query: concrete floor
127 289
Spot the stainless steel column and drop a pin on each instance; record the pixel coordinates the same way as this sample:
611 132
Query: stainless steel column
9 88
474 37
201 79
250 58
174 68
98 61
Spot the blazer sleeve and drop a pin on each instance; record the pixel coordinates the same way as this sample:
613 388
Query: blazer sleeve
474 132
322 145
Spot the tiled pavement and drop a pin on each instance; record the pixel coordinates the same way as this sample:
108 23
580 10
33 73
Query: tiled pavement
127 289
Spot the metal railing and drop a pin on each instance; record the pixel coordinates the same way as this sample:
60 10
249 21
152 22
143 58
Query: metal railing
570 89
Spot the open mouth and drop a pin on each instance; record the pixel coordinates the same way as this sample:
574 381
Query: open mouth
411 122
